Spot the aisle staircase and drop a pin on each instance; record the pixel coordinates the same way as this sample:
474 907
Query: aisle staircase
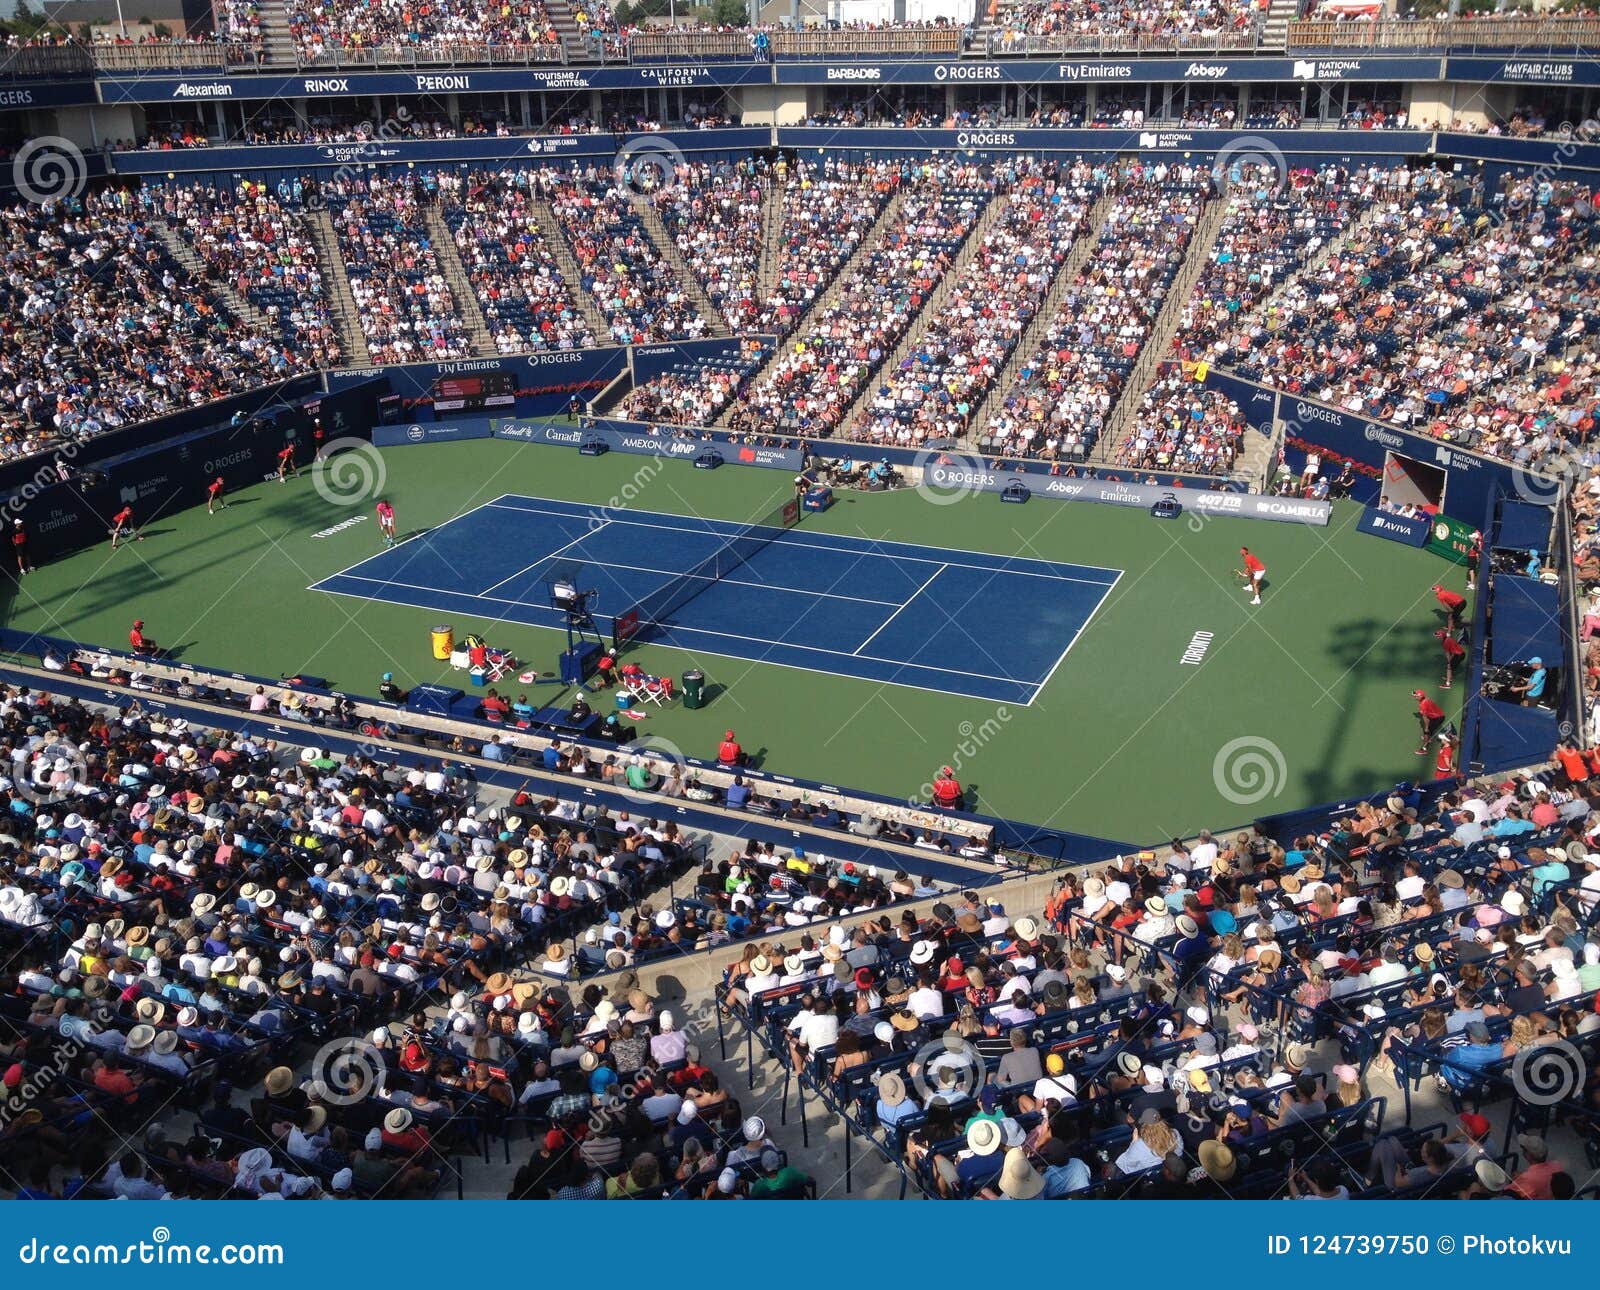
1158 344
239 306
336 285
1066 275
455 276
864 248
667 245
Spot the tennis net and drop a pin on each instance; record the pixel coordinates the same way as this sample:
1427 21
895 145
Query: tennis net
673 595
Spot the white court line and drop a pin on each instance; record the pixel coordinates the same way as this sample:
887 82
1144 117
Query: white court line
584 536
920 689
437 528
857 650
859 546
635 568
735 636
1082 627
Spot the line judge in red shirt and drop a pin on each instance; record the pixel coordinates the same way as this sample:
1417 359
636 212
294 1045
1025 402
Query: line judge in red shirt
1454 652
1453 601
138 641
1430 716
729 753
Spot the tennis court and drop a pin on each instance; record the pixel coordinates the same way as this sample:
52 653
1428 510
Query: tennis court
958 622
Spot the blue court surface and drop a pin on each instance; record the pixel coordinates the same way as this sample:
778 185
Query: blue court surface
961 622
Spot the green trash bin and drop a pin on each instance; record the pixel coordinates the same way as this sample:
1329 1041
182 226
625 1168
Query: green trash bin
694 688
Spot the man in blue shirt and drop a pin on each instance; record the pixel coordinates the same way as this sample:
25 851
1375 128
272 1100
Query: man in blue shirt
1512 825
1461 1066
1532 690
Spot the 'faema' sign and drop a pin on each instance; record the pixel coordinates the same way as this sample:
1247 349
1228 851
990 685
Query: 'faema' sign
1244 506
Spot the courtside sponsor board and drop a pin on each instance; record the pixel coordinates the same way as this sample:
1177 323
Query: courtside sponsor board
1247 506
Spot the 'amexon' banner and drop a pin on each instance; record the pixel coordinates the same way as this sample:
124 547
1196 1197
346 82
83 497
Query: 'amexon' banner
1246 506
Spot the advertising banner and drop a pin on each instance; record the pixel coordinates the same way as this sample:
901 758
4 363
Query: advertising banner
1248 506
1406 529
430 432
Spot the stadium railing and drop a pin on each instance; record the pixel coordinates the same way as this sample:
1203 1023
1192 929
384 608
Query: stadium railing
173 57
46 61
440 55
1000 43
1511 34
649 46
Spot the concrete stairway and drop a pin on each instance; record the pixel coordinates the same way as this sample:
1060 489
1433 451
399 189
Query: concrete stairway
1275 31
864 248
1158 344
771 261
991 212
1082 248
1259 456
185 254
455 274
277 44
562 19
570 273
336 284
656 227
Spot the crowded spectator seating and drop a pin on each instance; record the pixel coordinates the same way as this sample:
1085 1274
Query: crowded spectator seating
958 356
104 329
1062 396
406 309
1357 1000
1423 306
331 28
827 210
696 391
622 268
1182 426
1274 225
511 263
1035 26
713 215
830 359
248 240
